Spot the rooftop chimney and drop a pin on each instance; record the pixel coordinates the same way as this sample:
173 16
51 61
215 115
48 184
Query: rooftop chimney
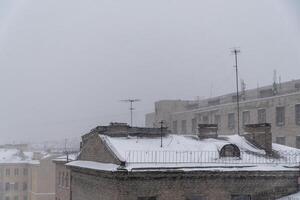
207 131
260 135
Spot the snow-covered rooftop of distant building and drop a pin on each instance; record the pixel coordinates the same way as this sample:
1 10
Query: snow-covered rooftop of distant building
67 158
188 152
16 156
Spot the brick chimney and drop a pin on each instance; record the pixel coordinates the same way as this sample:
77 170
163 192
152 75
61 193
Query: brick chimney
260 135
207 131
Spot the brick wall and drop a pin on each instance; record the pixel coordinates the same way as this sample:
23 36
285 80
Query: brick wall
93 185
94 150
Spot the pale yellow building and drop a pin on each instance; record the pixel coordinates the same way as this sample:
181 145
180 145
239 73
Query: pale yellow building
26 175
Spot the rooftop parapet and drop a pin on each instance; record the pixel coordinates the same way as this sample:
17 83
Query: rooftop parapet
122 130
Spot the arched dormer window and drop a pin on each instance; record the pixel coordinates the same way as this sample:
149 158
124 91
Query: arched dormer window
230 150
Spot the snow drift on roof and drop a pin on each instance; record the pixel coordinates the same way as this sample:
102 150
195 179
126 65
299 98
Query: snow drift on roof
15 156
93 165
180 143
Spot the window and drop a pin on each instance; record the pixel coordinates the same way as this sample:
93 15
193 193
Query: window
67 179
218 120
261 116
146 198
280 116
280 140
246 117
297 86
7 198
298 142
297 114
16 186
266 93
194 125
213 102
241 197
205 119
59 175
63 179
231 119
7 186
24 186
175 126
234 98
230 150
16 198
7 172
25 198
16 172
183 126
25 171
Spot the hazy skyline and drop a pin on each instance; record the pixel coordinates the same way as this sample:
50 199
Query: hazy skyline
65 65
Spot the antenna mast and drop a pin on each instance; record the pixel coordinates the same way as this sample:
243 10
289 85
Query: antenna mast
236 51
131 101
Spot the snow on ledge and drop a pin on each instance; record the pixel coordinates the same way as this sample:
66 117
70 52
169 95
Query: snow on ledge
93 165
295 196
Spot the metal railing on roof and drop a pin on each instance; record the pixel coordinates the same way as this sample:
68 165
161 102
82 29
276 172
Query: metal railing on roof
209 157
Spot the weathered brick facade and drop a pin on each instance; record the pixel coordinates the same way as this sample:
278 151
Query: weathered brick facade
95 150
97 185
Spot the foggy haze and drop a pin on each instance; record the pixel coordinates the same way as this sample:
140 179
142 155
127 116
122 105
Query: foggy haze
65 65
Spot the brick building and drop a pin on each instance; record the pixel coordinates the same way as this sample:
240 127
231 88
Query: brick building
278 104
122 163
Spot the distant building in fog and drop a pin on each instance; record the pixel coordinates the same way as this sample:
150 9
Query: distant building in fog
278 104
26 175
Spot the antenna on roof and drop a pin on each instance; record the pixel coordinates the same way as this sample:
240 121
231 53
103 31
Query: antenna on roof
66 151
235 51
275 83
131 101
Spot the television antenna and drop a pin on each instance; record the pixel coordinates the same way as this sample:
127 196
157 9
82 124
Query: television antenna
236 51
131 101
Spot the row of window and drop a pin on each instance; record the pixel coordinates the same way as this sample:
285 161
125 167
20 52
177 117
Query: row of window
16 172
262 94
63 179
15 186
282 140
16 198
261 118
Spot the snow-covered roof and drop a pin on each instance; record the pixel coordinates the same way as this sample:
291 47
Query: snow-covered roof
123 146
16 156
94 165
295 196
188 152
66 158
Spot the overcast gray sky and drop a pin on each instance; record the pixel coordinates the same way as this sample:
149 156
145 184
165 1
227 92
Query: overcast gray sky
65 64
